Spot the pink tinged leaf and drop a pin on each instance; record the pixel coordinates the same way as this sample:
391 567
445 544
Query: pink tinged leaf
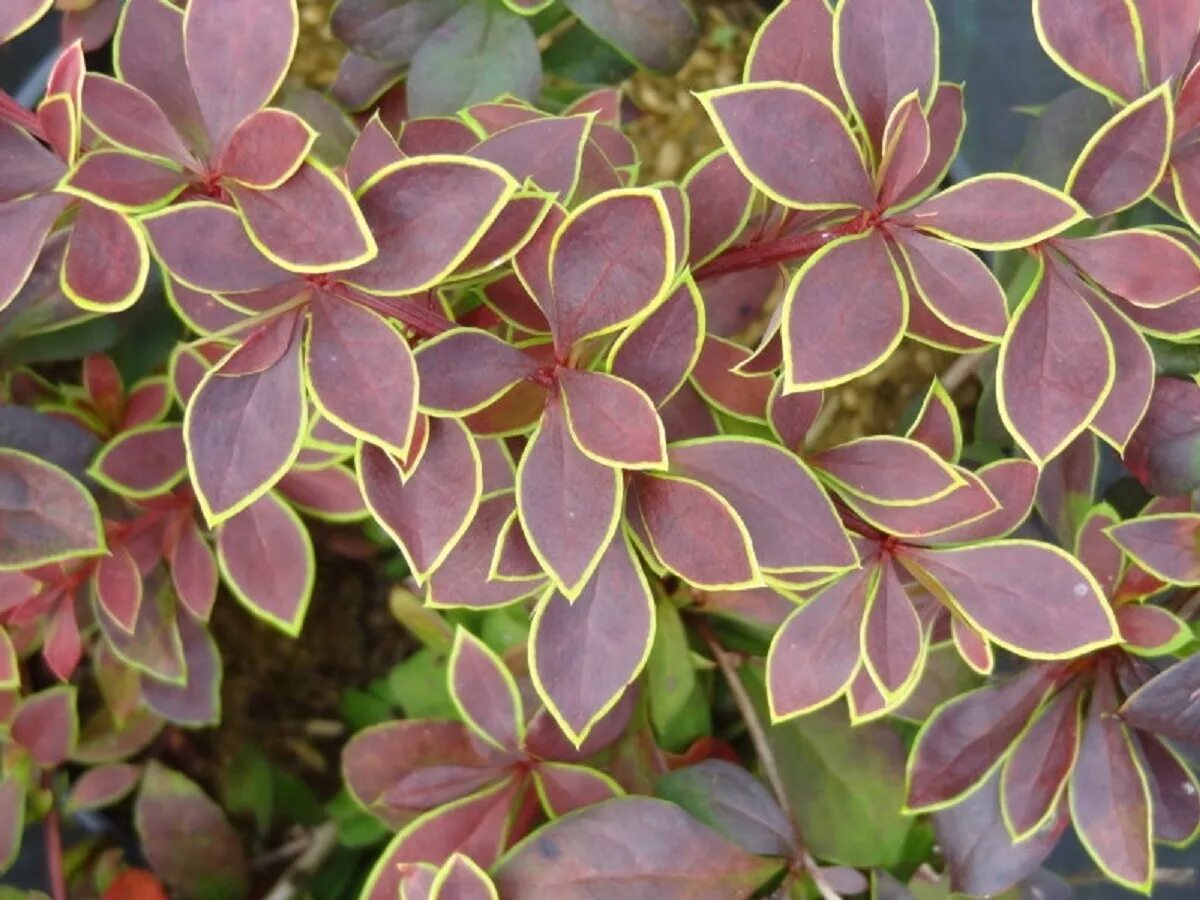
937 424
1166 545
62 649
266 149
687 415
795 44
982 857
25 224
148 401
1056 365
463 578
1133 376
431 135
237 56
965 739
374 149
635 845
197 702
1169 704
427 513
876 75
1098 45
756 121
955 284
12 819
717 378
1110 796
1168 28
1174 792
514 560
484 690
193 570
792 415
514 226
1098 552
15 18
816 652
103 786
475 826
546 151
123 181
206 247
243 430
610 261
170 812
1147 268
565 788
465 369
845 312
585 653
696 532
28 167
947 121
118 586
569 503
1151 630
401 768
107 261
144 461
791 522
330 493
1064 613
1035 774
426 215
611 420
362 373
893 639
726 196
1126 158
266 557
658 354
507 297
1067 486
888 470
994 212
148 54
972 646
45 514
905 150
47 726
309 223
128 118
1187 105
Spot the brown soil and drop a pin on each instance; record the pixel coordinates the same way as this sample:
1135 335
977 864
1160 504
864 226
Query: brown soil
281 694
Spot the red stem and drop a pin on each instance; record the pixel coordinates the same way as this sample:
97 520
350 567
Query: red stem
779 250
12 111
425 322
54 846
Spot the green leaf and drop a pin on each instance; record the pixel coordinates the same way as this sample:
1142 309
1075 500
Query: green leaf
845 784
247 787
480 52
356 827
295 801
361 709
678 708
580 56
419 687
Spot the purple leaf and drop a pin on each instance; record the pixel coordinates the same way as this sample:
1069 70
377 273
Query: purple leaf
755 121
659 352
197 702
266 149
1169 704
45 514
485 692
128 118
611 623
795 43
25 223
1106 60
266 557
1035 775
611 420
463 370
1165 545
47 726
237 55
142 462
887 470
955 285
565 788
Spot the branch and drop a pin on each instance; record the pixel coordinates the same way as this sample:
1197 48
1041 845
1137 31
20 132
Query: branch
766 757
55 874
322 842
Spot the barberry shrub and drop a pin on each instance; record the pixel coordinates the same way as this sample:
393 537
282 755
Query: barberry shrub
739 659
